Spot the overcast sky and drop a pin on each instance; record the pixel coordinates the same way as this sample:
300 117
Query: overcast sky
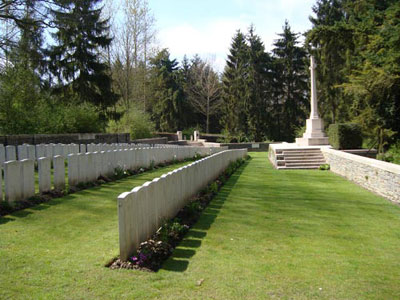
206 27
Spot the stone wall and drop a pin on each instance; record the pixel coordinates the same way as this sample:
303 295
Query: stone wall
380 177
251 147
151 141
141 211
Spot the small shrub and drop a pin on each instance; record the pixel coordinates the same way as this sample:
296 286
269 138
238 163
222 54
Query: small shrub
325 167
345 136
136 122
213 189
300 131
119 172
392 155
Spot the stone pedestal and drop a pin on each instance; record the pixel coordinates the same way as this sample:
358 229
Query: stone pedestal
314 135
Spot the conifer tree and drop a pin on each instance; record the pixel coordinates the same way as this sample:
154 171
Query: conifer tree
291 83
75 59
168 93
259 87
332 41
235 92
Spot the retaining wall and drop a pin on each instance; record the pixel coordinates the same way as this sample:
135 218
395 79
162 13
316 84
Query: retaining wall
380 177
141 211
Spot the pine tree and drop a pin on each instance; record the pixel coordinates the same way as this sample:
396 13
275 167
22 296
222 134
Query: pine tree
259 87
291 83
80 35
235 93
333 42
168 94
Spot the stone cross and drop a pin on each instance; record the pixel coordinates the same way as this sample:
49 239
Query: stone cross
314 98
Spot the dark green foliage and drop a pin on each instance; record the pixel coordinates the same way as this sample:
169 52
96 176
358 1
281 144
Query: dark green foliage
291 87
74 60
392 155
357 45
259 87
265 96
333 43
235 96
345 136
168 93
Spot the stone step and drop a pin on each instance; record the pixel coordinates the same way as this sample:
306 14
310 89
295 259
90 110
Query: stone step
301 152
305 164
304 156
298 168
316 161
298 149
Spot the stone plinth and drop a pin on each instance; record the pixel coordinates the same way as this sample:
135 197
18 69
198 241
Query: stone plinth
314 135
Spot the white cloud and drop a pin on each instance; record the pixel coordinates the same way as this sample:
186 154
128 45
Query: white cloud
211 40
212 37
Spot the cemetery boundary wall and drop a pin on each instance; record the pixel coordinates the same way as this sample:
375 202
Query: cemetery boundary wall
142 210
380 177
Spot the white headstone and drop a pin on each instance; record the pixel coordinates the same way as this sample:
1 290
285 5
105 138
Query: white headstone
27 178
31 152
12 182
73 170
22 152
10 153
2 155
40 151
59 172
44 164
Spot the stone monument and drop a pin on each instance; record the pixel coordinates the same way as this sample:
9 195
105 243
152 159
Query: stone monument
314 135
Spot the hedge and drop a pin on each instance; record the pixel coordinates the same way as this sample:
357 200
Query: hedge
345 136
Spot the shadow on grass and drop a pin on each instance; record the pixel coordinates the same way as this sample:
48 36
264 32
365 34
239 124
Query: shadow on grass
179 261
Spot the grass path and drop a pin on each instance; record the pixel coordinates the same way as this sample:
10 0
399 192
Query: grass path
267 235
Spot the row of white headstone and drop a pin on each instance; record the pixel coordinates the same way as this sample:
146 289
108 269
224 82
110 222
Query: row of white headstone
19 176
26 151
142 210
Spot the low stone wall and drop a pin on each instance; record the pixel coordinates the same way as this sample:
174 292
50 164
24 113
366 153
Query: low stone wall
169 135
151 141
251 147
380 177
141 211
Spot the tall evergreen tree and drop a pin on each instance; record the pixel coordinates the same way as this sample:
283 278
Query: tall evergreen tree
259 87
358 47
332 40
235 92
168 93
74 60
291 83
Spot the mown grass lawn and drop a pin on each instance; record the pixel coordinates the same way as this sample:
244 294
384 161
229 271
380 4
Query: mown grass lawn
268 234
